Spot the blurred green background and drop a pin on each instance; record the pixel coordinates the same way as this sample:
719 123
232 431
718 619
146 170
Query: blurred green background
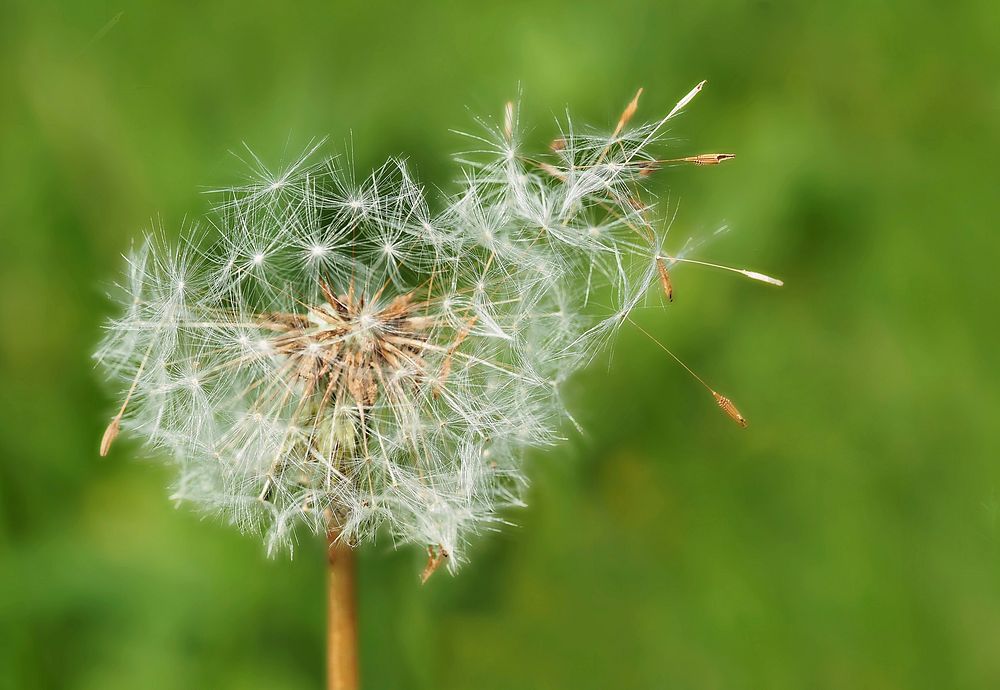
848 539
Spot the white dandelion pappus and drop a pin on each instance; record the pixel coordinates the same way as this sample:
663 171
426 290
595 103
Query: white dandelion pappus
333 353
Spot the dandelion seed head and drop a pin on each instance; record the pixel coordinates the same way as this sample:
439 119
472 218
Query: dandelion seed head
335 354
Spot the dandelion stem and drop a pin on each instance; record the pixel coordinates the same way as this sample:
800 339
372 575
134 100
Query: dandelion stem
342 621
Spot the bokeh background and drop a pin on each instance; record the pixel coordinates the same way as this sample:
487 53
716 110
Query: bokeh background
848 539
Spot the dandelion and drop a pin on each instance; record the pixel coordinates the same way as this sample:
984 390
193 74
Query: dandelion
356 358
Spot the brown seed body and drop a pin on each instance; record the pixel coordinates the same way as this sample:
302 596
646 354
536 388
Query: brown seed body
435 557
627 114
110 434
730 409
668 288
709 158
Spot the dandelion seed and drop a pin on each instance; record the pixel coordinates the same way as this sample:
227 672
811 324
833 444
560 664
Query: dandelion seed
647 168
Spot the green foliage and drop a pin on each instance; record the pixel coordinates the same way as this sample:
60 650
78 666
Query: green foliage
848 539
